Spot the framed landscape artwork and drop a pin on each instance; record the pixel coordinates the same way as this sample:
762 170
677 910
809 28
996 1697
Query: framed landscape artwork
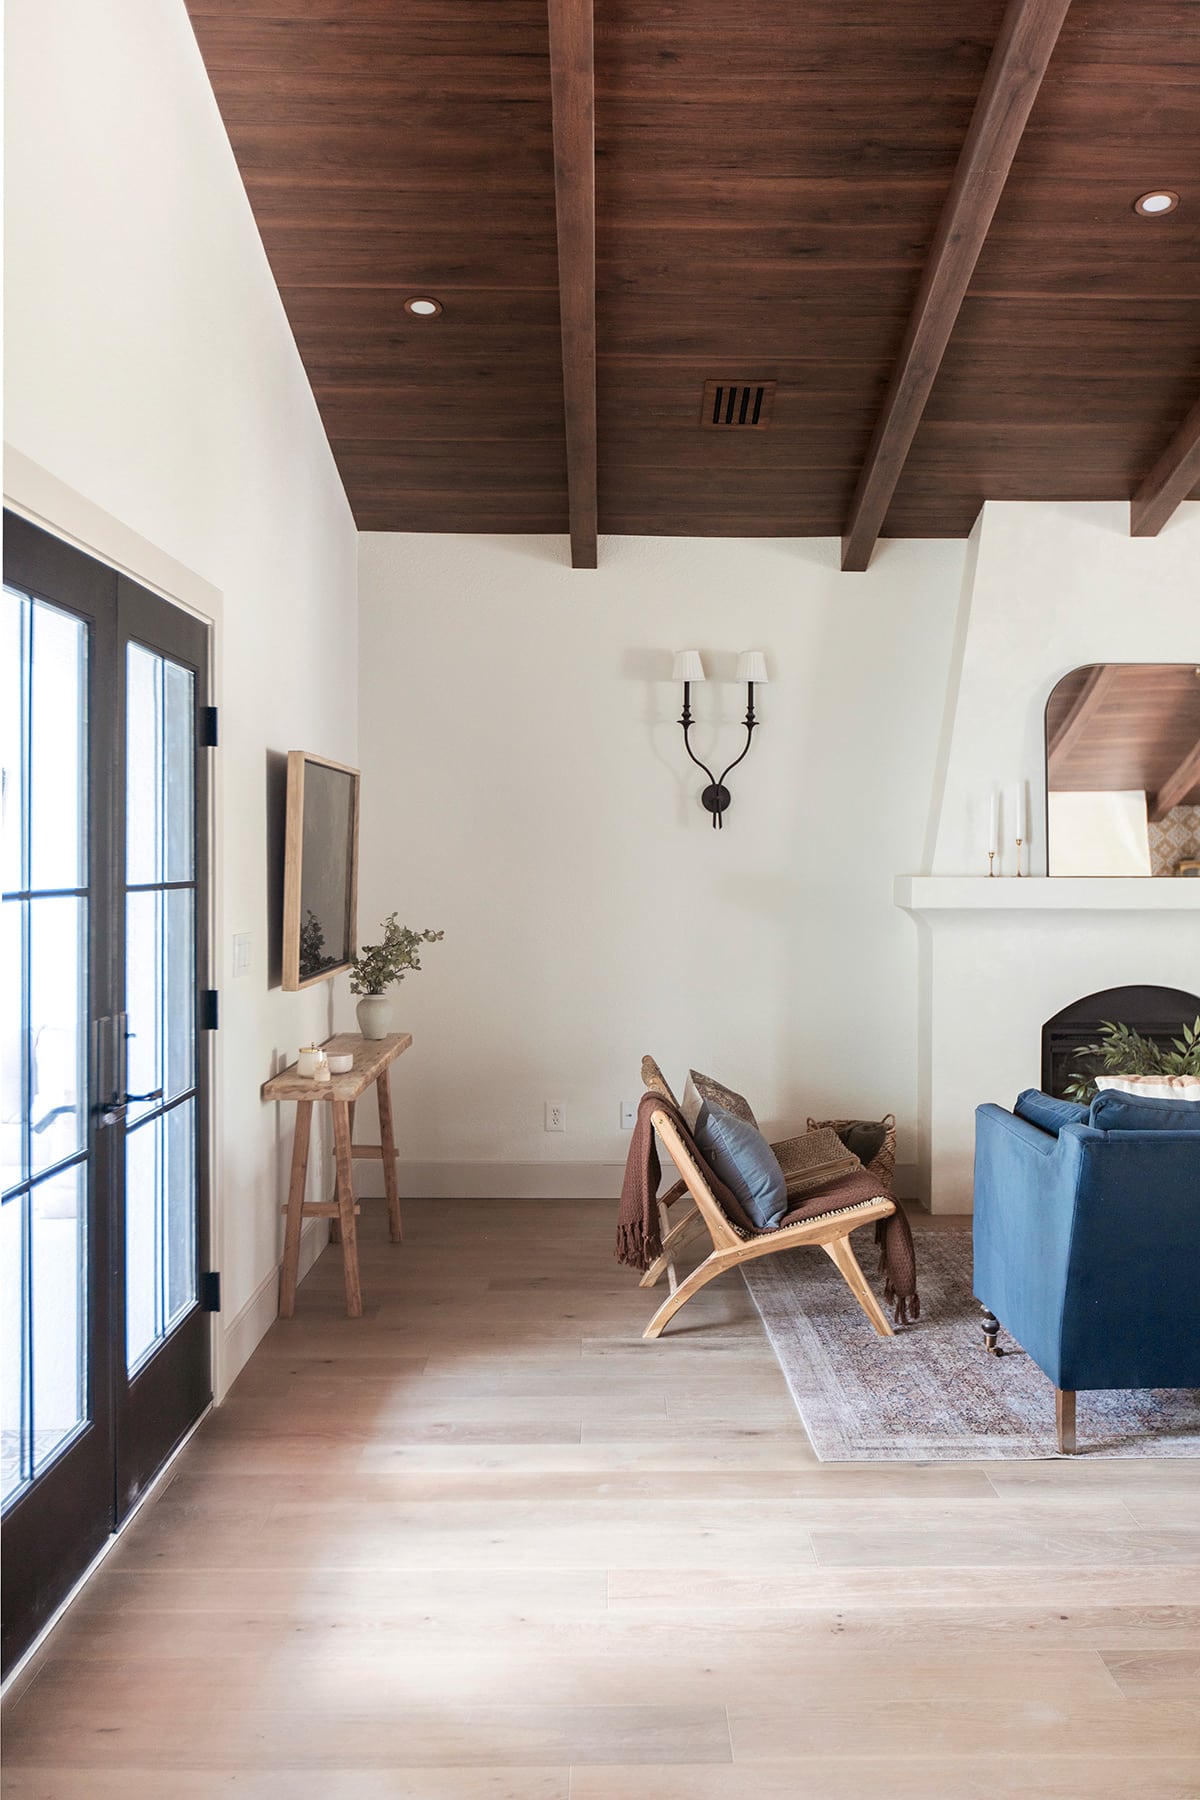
320 873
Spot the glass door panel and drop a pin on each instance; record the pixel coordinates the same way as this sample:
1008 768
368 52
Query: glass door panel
161 1275
160 992
44 955
56 930
58 1254
160 1229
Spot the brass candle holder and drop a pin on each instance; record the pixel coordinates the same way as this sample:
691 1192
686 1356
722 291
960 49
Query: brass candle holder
1020 871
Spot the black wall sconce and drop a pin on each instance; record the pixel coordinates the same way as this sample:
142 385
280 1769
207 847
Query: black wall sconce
752 669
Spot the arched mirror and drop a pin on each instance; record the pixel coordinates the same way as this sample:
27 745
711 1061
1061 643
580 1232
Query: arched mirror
1123 770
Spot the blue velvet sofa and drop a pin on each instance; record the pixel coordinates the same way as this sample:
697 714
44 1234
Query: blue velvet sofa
1087 1238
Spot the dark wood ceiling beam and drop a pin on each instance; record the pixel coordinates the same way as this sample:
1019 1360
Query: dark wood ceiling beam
1171 480
1018 62
1178 785
572 89
1100 681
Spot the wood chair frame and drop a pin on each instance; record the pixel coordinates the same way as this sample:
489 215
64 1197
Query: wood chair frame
671 1236
730 1247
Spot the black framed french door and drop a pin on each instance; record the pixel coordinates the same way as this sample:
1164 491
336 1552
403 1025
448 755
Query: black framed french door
104 1360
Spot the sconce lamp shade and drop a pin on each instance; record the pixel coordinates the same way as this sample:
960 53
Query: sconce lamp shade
752 666
688 666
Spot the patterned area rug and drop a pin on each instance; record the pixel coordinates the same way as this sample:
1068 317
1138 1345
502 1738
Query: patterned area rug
931 1394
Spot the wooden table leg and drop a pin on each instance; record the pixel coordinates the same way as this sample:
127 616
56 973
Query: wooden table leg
345 1200
335 1224
295 1209
387 1150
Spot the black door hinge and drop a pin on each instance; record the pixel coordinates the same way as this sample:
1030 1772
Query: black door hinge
210 1291
210 1009
208 727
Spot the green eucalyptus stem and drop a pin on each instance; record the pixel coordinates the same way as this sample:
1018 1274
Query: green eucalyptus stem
377 966
1125 1051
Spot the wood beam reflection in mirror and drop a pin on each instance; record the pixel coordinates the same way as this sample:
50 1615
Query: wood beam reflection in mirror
1183 780
1100 681
572 88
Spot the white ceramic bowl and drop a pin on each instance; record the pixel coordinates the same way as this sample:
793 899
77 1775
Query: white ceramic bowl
342 1064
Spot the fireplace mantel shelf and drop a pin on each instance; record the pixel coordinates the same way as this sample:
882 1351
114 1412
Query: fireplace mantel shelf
973 893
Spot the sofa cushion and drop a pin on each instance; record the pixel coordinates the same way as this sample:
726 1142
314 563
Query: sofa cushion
1113 1111
1047 1113
742 1158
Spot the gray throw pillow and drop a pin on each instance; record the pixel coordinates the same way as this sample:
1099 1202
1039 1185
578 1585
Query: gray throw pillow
703 1087
741 1157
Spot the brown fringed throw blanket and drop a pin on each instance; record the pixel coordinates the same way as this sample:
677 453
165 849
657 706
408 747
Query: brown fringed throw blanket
898 1266
639 1239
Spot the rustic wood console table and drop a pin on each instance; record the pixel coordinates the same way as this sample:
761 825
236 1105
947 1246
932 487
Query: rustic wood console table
373 1059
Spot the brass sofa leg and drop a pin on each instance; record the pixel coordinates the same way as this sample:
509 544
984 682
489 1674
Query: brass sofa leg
1064 1419
990 1327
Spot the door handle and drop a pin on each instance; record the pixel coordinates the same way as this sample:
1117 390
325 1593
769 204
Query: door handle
108 1045
123 1065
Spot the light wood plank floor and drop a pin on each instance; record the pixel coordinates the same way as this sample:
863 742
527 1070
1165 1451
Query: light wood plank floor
486 1544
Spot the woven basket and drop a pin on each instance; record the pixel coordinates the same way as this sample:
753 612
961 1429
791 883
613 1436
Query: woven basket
882 1166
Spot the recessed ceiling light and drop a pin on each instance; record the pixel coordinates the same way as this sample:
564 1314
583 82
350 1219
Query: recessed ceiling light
423 306
1158 200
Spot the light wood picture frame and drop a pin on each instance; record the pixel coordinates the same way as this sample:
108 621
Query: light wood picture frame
320 870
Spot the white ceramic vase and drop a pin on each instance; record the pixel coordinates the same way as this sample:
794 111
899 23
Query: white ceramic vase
375 1015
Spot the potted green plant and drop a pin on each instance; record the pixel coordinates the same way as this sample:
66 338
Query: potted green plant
377 967
1125 1051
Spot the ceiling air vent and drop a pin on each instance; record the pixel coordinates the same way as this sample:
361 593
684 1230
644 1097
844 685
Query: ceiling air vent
737 405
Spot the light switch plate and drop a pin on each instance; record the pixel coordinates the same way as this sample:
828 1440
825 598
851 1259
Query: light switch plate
243 945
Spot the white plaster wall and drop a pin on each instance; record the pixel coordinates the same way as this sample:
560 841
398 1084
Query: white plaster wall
1055 587
526 789
150 370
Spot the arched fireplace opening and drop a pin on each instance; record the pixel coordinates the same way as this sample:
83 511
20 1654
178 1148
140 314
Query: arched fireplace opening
1156 1012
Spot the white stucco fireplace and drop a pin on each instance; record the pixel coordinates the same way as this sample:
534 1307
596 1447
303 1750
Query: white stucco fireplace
998 958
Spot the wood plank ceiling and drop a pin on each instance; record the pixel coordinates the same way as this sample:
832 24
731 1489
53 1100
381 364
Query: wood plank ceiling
769 178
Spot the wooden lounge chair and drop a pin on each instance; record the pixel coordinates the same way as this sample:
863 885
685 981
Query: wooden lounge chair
673 1236
732 1245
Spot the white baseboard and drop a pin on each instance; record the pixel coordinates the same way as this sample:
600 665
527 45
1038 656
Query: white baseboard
526 1181
246 1330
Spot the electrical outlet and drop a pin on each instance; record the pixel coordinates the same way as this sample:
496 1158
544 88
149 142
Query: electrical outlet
556 1116
628 1114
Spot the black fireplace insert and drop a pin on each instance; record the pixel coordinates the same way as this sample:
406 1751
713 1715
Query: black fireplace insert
1158 1013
